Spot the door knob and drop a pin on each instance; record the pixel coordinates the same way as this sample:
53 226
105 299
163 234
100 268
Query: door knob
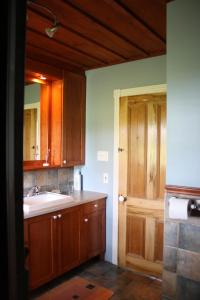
95 205
54 217
59 216
122 198
86 220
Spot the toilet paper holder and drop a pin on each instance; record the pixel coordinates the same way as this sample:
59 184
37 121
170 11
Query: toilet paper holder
194 204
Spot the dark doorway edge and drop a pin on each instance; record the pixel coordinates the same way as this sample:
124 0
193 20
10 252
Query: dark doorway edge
13 275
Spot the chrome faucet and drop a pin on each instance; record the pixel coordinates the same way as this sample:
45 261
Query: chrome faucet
33 191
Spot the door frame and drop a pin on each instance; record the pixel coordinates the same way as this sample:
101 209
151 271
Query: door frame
117 93
13 274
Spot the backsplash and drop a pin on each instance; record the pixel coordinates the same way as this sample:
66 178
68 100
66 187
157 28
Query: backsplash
51 179
181 275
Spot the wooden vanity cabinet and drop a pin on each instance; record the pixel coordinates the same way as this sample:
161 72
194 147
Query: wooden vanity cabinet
41 240
69 238
93 230
53 244
59 241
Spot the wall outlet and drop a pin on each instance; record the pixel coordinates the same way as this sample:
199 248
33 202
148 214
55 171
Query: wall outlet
105 177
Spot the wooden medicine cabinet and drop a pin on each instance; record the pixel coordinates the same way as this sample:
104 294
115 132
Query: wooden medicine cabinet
54 117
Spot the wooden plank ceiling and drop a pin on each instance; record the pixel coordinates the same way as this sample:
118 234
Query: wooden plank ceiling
95 33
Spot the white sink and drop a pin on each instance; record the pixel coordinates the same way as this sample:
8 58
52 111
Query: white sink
44 200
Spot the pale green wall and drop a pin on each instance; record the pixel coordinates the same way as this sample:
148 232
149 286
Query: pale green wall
183 88
100 120
31 93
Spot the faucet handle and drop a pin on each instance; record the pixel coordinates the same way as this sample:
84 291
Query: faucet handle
37 189
34 190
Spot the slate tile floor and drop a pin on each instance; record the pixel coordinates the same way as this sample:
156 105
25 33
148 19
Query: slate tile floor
125 284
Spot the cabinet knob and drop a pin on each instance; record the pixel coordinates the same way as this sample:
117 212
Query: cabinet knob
64 161
54 217
59 216
86 220
95 205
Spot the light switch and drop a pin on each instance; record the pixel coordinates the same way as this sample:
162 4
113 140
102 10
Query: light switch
102 155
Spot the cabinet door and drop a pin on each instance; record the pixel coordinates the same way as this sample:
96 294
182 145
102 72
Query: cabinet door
73 146
69 239
41 241
92 234
56 122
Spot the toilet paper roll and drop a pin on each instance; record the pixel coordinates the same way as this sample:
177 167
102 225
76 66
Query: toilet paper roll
179 208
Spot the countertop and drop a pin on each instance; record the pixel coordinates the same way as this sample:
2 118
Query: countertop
79 197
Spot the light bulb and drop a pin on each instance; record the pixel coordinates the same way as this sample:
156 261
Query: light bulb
51 31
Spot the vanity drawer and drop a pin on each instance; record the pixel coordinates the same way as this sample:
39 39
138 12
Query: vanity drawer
94 206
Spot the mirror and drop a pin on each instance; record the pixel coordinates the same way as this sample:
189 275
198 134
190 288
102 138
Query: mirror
36 148
42 115
31 133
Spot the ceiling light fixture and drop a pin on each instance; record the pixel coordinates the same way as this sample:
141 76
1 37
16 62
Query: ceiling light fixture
50 31
42 77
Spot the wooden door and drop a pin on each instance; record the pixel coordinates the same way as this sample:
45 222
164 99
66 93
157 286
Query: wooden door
69 238
41 239
30 132
142 161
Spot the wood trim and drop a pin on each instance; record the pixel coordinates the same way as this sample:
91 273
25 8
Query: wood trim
149 89
193 191
30 165
33 164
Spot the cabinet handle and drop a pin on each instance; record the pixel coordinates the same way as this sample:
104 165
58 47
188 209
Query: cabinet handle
95 205
64 161
59 216
86 220
54 217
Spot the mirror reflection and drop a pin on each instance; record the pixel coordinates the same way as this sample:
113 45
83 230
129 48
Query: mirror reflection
31 138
